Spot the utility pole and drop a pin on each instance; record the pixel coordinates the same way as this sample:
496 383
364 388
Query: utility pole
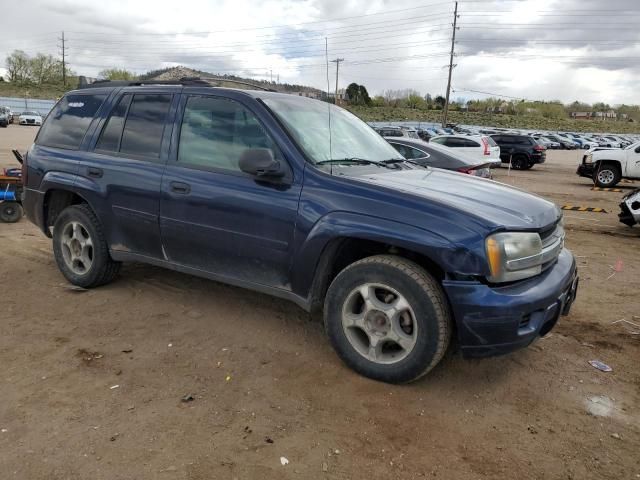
451 65
337 62
64 61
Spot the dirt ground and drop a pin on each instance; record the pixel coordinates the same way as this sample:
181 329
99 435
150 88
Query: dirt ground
91 383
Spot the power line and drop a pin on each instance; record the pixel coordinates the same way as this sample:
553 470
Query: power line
387 12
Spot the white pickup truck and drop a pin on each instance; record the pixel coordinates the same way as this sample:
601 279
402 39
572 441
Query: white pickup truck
607 166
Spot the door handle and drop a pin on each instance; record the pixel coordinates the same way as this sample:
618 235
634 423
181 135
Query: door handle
179 187
95 172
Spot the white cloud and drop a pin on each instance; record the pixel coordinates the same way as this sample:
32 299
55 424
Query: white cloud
534 49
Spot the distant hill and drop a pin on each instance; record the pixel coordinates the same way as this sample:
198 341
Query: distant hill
176 73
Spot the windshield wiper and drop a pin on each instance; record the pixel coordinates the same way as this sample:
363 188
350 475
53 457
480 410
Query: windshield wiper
393 161
355 160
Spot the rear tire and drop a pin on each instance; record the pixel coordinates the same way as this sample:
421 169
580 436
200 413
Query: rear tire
10 212
80 248
520 162
388 319
607 175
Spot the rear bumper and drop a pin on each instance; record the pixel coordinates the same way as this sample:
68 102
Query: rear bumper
32 202
538 157
498 320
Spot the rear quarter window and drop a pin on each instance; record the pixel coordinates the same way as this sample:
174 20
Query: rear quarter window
69 120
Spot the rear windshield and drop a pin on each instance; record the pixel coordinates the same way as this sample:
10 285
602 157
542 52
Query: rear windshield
491 141
69 120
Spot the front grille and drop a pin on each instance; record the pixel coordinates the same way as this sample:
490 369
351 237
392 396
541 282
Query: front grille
552 244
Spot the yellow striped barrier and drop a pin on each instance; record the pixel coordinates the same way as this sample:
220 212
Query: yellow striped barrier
583 209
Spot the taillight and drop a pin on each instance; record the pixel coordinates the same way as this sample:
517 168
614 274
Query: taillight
539 148
485 144
469 170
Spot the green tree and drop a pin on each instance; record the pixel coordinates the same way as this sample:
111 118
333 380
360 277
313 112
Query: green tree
17 64
44 69
364 95
440 101
378 101
415 101
117 74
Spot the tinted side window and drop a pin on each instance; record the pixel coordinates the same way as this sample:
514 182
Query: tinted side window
470 143
144 126
393 133
215 132
454 142
402 150
110 137
69 120
414 154
440 140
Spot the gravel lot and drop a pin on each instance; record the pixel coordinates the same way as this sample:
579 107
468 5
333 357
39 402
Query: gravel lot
92 382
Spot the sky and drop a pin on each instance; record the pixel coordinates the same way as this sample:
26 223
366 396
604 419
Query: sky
586 50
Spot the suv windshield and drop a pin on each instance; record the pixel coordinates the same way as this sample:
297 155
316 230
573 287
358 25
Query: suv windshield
308 122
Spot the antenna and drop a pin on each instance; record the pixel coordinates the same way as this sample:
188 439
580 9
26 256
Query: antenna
326 53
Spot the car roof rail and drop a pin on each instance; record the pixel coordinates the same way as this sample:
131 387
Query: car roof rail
184 81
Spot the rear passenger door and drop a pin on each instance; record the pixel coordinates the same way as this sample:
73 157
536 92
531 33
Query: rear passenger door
213 216
123 172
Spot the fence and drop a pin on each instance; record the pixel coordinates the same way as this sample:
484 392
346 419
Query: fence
19 105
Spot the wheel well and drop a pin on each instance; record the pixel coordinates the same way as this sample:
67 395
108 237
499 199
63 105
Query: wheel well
613 163
342 252
55 201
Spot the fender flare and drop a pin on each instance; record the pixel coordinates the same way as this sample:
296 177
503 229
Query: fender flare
318 248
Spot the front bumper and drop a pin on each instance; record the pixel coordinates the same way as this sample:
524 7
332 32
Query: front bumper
585 170
630 208
497 320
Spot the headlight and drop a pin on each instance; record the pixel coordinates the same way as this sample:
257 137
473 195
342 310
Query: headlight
588 158
514 256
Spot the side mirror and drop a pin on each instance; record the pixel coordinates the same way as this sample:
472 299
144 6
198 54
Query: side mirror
259 162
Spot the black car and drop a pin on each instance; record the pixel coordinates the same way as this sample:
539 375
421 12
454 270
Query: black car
521 150
438 156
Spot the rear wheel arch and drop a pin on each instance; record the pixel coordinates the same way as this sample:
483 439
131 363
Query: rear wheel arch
56 200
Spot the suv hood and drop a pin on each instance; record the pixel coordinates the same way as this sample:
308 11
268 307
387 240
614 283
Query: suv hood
495 202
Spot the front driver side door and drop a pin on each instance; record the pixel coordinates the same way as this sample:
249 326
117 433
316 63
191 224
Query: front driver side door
216 218
633 163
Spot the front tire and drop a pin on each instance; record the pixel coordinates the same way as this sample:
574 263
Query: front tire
80 248
388 319
607 175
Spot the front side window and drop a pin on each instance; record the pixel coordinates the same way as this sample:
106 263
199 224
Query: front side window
69 120
215 132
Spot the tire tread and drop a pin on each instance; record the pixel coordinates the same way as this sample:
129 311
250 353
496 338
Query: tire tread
431 288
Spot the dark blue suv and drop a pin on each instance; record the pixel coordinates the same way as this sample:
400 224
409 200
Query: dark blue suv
299 199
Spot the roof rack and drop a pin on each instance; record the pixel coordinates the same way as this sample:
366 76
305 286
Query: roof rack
184 81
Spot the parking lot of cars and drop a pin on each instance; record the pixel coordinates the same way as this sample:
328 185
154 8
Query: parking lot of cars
171 375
